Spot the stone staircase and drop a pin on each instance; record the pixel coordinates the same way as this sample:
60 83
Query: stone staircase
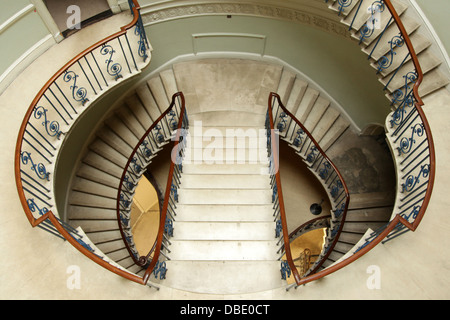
224 209
224 233
434 77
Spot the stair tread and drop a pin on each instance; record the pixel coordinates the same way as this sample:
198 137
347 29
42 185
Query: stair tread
223 250
225 196
223 277
224 181
246 168
224 230
216 213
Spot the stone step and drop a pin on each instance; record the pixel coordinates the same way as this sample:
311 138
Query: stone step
325 123
298 91
202 168
111 246
104 236
95 188
82 212
106 151
224 230
169 82
224 131
225 181
339 126
428 62
228 118
223 250
223 277
320 107
285 85
91 173
218 213
364 14
369 214
148 101
115 141
98 225
306 104
225 196
420 43
136 106
103 164
116 125
159 93
216 154
90 200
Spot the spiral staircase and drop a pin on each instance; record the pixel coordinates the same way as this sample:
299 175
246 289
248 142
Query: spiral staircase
223 235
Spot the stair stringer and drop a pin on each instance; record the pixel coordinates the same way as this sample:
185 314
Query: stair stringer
92 199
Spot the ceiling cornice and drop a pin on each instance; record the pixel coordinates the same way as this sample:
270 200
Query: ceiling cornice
313 13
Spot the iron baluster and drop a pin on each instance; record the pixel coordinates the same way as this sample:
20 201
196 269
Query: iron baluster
78 94
113 69
52 128
387 60
39 168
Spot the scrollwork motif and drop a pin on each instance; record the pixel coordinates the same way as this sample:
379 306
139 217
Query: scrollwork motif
34 207
386 61
78 94
52 128
411 181
39 168
113 69
406 144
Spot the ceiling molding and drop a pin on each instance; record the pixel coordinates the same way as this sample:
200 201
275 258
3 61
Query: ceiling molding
172 10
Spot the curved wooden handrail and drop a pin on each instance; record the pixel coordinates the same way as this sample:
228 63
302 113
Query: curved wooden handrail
122 179
40 94
276 163
163 215
347 194
397 219
307 223
49 215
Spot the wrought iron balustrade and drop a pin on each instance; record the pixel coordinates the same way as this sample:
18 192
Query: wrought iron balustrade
407 129
51 114
171 125
294 132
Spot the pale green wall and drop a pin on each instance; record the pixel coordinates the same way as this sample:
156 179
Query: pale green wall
335 63
21 35
11 7
437 12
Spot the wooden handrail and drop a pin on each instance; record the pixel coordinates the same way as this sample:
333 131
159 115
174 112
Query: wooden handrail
40 94
163 214
398 218
307 223
347 194
418 105
276 163
122 179
17 156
